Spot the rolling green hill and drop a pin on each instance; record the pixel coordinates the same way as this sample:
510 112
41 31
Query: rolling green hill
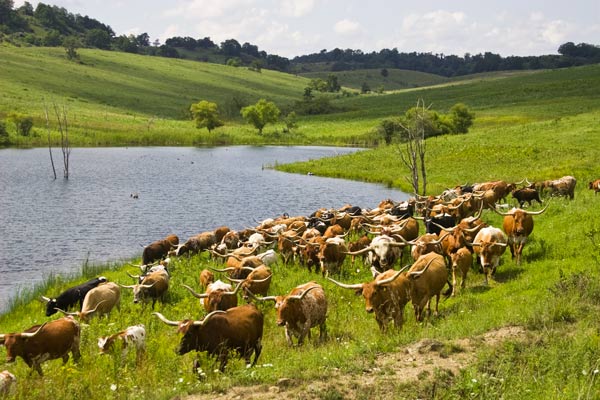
394 79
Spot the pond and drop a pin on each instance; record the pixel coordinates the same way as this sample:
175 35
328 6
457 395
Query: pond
52 226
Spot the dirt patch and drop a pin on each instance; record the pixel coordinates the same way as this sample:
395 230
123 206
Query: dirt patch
415 362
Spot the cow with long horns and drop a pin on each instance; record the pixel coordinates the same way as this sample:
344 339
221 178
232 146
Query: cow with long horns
386 296
239 329
518 225
305 307
49 341
489 244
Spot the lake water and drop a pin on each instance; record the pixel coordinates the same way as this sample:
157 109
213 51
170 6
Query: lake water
52 226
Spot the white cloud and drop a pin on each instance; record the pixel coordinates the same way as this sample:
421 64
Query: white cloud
347 27
297 8
209 9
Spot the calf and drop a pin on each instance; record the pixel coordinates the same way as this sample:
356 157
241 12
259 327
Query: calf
526 195
595 186
7 382
132 336
461 260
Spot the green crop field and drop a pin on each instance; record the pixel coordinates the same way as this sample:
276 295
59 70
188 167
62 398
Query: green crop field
538 126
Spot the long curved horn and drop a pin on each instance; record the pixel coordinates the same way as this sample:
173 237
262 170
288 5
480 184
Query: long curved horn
440 239
45 299
538 212
148 286
95 309
501 213
388 280
192 291
416 274
29 335
266 298
500 244
260 280
237 288
444 228
127 286
301 296
354 253
166 321
228 269
73 314
345 285
133 276
208 316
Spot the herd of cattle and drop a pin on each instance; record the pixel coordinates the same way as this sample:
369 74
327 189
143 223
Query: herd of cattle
453 233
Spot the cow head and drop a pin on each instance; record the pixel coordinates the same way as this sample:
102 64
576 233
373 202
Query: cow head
194 335
16 343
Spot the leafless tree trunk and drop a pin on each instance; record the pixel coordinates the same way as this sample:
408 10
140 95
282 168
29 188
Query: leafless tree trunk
413 153
63 127
49 143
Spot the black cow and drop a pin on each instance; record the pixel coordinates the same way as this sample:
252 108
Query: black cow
71 296
526 195
444 220
403 210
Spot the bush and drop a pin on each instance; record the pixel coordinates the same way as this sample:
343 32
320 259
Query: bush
23 123
315 106
4 139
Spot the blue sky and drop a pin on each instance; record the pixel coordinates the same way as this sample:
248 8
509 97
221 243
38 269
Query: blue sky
296 27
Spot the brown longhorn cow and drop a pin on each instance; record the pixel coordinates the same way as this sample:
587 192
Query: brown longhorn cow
257 282
428 276
49 341
218 296
386 296
305 307
518 225
153 286
239 329
159 249
331 255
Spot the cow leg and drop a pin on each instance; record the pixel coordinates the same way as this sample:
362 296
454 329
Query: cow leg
223 360
454 281
322 332
437 303
257 351
288 336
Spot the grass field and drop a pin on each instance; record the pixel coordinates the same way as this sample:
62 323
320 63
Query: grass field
540 126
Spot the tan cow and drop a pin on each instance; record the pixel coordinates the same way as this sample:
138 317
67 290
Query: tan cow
518 225
489 244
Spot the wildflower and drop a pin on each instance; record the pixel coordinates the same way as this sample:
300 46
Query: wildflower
113 387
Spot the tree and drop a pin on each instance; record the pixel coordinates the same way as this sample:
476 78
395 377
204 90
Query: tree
413 153
71 44
98 38
461 118
143 40
332 83
23 123
290 121
365 88
260 114
6 9
384 72
231 47
206 115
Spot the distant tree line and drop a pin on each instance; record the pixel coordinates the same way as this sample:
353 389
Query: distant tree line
22 26
451 65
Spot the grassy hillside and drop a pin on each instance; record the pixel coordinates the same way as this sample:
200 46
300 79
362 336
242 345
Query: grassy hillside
396 78
123 99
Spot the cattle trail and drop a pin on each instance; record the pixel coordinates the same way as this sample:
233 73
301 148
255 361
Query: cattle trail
415 362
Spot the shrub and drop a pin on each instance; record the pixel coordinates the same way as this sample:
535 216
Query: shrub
4 139
23 123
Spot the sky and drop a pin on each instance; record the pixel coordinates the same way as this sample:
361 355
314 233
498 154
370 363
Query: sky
292 28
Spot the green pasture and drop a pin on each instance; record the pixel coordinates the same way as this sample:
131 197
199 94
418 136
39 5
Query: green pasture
540 126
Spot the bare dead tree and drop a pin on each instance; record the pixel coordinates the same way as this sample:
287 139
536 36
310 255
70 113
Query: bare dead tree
413 153
63 127
49 142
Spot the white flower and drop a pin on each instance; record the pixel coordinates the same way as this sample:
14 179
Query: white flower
113 387
474 380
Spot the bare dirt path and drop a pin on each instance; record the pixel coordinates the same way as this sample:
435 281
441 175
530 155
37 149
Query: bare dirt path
418 361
